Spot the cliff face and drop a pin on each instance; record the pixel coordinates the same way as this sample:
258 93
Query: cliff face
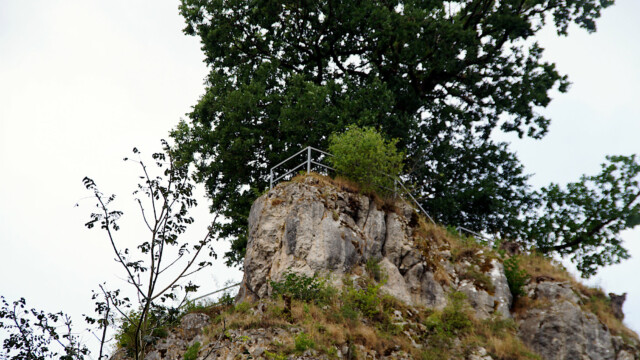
313 227
450 298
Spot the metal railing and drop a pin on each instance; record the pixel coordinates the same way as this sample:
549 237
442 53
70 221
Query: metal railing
309 162
213 292
398 184
489 240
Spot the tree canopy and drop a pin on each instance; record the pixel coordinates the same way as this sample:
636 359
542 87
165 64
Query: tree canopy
441 77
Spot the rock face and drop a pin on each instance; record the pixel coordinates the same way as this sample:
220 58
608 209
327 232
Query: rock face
560 329
312 227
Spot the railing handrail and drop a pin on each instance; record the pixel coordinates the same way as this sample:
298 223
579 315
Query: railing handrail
476 234
310 161
215 292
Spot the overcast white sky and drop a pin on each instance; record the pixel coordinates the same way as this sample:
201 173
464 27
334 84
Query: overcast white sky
82 82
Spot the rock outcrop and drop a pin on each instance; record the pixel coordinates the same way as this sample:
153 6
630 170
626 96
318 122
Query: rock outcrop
558 328
313 227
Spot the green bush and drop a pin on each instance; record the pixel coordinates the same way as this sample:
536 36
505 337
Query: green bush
192 352
243 307
516 277
449 323
365 157
367 301
374 270
304 288
155 327
302 342
226 299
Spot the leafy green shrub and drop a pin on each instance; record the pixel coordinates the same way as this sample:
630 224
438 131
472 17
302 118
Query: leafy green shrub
517 278
374 270
348 312
304 288
192 352
450 322
226 299
302 342
155 327
243 307
367 301
364 156
454 317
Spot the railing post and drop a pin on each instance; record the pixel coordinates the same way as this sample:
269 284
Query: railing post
308 159
270 178
395 188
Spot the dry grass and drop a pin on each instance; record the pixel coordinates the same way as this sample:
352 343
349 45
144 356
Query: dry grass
387 203
541 268
508 347
599 304
339 182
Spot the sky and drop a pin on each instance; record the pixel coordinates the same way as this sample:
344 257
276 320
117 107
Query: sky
84 81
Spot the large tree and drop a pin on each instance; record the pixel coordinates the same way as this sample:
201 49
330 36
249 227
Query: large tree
438 76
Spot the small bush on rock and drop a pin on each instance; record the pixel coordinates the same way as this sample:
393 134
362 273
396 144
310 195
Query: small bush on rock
302 342
365 157
516 276
304 288
192 352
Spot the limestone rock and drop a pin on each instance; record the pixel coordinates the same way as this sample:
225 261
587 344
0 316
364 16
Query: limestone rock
487 302
311 227
192 324
616 304
561 330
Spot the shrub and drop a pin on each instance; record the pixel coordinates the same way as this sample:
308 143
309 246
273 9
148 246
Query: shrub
304 288
226 299
479 279
302 342
374 270
152 329
517 278
365 157
192 352
367 301
243 307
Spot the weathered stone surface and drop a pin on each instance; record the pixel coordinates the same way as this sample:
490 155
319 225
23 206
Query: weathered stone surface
193 323
314 228
487 303
480 354
560 329
616 304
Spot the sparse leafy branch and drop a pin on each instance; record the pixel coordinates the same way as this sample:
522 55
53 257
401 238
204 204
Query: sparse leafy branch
584 219
164 201
106 302
33 334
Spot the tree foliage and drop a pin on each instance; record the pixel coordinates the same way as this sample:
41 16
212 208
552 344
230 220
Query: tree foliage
364 156
33 334
584 219
441 77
